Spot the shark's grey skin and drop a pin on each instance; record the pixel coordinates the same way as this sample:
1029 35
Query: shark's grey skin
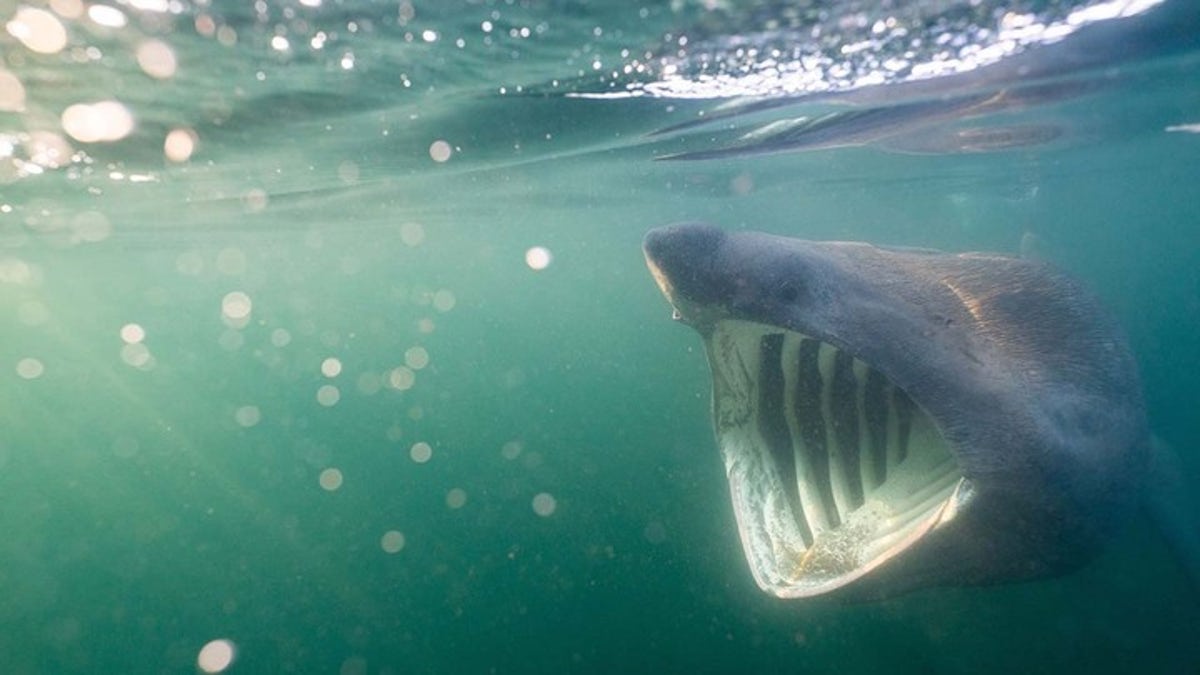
1027 379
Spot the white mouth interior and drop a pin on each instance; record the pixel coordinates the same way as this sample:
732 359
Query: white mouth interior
832 468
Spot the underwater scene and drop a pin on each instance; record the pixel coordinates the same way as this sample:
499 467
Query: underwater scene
332 339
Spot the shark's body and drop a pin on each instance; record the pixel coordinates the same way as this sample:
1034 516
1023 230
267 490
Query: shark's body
892 419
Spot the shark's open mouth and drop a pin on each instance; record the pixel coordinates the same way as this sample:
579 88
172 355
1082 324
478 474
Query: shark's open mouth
833 469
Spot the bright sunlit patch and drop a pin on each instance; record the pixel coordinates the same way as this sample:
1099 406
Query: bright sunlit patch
179 145
456 498
68 9
538 258
392 541
39 30
133 333
12 92
107 16
236 306
105 121
328 395
421 452
416 357
216 656
247 416
157 59
30 368
1185 128
440 151
331 367
544 504
330 479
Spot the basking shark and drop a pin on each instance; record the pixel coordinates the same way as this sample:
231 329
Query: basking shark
893 418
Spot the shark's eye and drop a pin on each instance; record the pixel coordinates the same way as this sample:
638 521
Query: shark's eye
787 293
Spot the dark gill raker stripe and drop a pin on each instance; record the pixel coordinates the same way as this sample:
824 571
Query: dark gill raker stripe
773 427
812 425
875 410
904 415
843 406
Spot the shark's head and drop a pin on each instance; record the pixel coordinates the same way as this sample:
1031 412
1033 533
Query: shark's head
892 418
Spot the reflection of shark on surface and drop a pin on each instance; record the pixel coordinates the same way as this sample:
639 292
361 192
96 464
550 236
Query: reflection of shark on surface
898 418
971 111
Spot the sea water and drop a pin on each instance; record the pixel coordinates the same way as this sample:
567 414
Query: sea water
326 342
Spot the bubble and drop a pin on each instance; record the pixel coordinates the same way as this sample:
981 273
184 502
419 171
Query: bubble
416 357
30 368
511 450
331 367
216 656
136 354
412 234
426 325
368 383
440 151
247 416
392 541
236 306
39 30
395 432
279 43
429 35
544 504
330 479
105 15
132 332
255 200
104 121
189 263
538 258
401 378
348 172
157 59
280 337
12 92
456 498
443 301
180 144
328 395
655 532
421 452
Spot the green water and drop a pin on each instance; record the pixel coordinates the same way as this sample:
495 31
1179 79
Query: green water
254 477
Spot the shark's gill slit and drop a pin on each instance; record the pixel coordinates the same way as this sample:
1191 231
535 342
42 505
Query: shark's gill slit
857 469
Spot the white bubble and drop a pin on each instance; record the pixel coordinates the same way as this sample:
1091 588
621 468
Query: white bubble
105 15
429 35
104 121
39 30
247 416
392 541
444 300
216 656
328 395
421 452
280 337
412 234
416 357
440 151
368 383
279 43
544 504
426 325
236 305
331 367
401 378
538 258
330 479
157 59
456 498
180 144
30 368
132 332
